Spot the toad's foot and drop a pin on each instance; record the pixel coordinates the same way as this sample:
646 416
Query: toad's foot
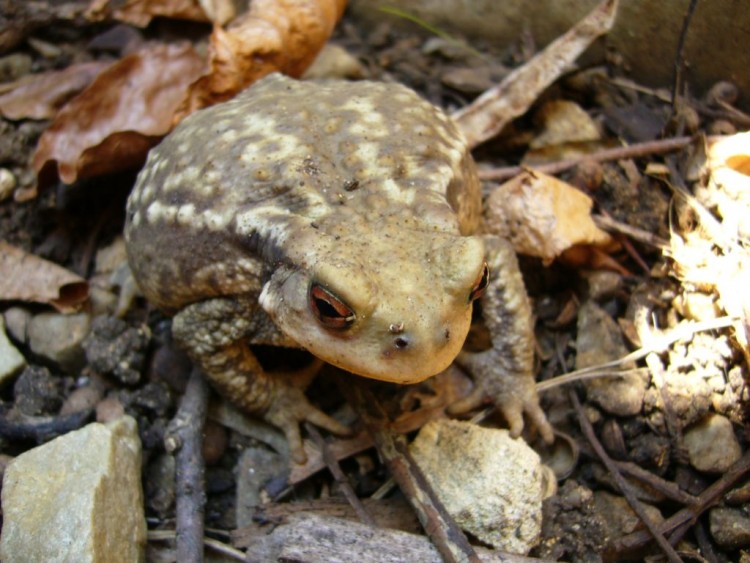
289 408
513 394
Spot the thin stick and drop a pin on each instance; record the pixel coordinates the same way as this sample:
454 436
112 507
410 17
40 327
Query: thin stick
622 484
338 475
439 525
689 514
184 437
637 150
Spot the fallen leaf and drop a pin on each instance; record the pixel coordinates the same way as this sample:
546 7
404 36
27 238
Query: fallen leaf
40 96
25 277
542 216
141 12
112 124
274 35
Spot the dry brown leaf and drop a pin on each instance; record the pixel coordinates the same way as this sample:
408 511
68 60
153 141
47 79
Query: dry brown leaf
40 96
25 277
141 12
274 35
111 125
542 216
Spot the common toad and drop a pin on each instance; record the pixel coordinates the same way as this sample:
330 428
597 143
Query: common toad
338 217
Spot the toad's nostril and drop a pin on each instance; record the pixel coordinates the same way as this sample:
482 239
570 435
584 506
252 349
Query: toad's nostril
401 342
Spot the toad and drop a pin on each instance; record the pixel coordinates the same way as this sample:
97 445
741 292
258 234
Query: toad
341 218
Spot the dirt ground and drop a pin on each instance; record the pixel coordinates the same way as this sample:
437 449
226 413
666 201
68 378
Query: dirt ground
594 302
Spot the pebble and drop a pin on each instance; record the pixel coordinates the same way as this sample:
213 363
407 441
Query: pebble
730 527
712 445
7 183
600 341
563 122
489 482
76 498
14 66
59 338
619 518
17 321
11 360
113 347
255 467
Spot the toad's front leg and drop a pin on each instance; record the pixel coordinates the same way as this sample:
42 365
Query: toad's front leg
504 374
216 335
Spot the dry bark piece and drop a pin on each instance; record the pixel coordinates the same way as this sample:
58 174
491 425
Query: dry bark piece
111 125
141 12
273 35
26 277
40 96
489 113
543 216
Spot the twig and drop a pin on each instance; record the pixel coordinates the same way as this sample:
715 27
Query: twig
338 475
486 116
637 150
667 488
659 343
689 514
216 545
184 437
622 484
16 426
679 60
439 525
612 225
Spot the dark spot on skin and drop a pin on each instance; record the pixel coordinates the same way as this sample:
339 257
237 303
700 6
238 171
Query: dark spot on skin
351 185
447 334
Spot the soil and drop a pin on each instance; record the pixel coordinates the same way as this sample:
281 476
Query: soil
133 360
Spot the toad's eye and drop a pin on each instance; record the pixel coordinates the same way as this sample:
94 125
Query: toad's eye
330 311
481 284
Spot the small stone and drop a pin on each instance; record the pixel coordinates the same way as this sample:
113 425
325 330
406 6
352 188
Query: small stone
160 485
489 482
113 347
82 399
17 321
14 66
619 518
600 341
36 392
564 122
109 409
59 338
602 284
255 468
335 62
711 444
730 527
76 498
7 183
11 360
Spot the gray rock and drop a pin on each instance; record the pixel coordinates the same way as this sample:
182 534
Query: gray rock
600 341
489 482
17 321
59 338
730 527
11 360
255 468
76 498
711 444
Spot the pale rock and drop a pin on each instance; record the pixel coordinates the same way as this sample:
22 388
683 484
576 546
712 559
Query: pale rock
76 498
11 360
17 321
600 341
490 483
730 527
712 445
7 183
59 338
255 468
